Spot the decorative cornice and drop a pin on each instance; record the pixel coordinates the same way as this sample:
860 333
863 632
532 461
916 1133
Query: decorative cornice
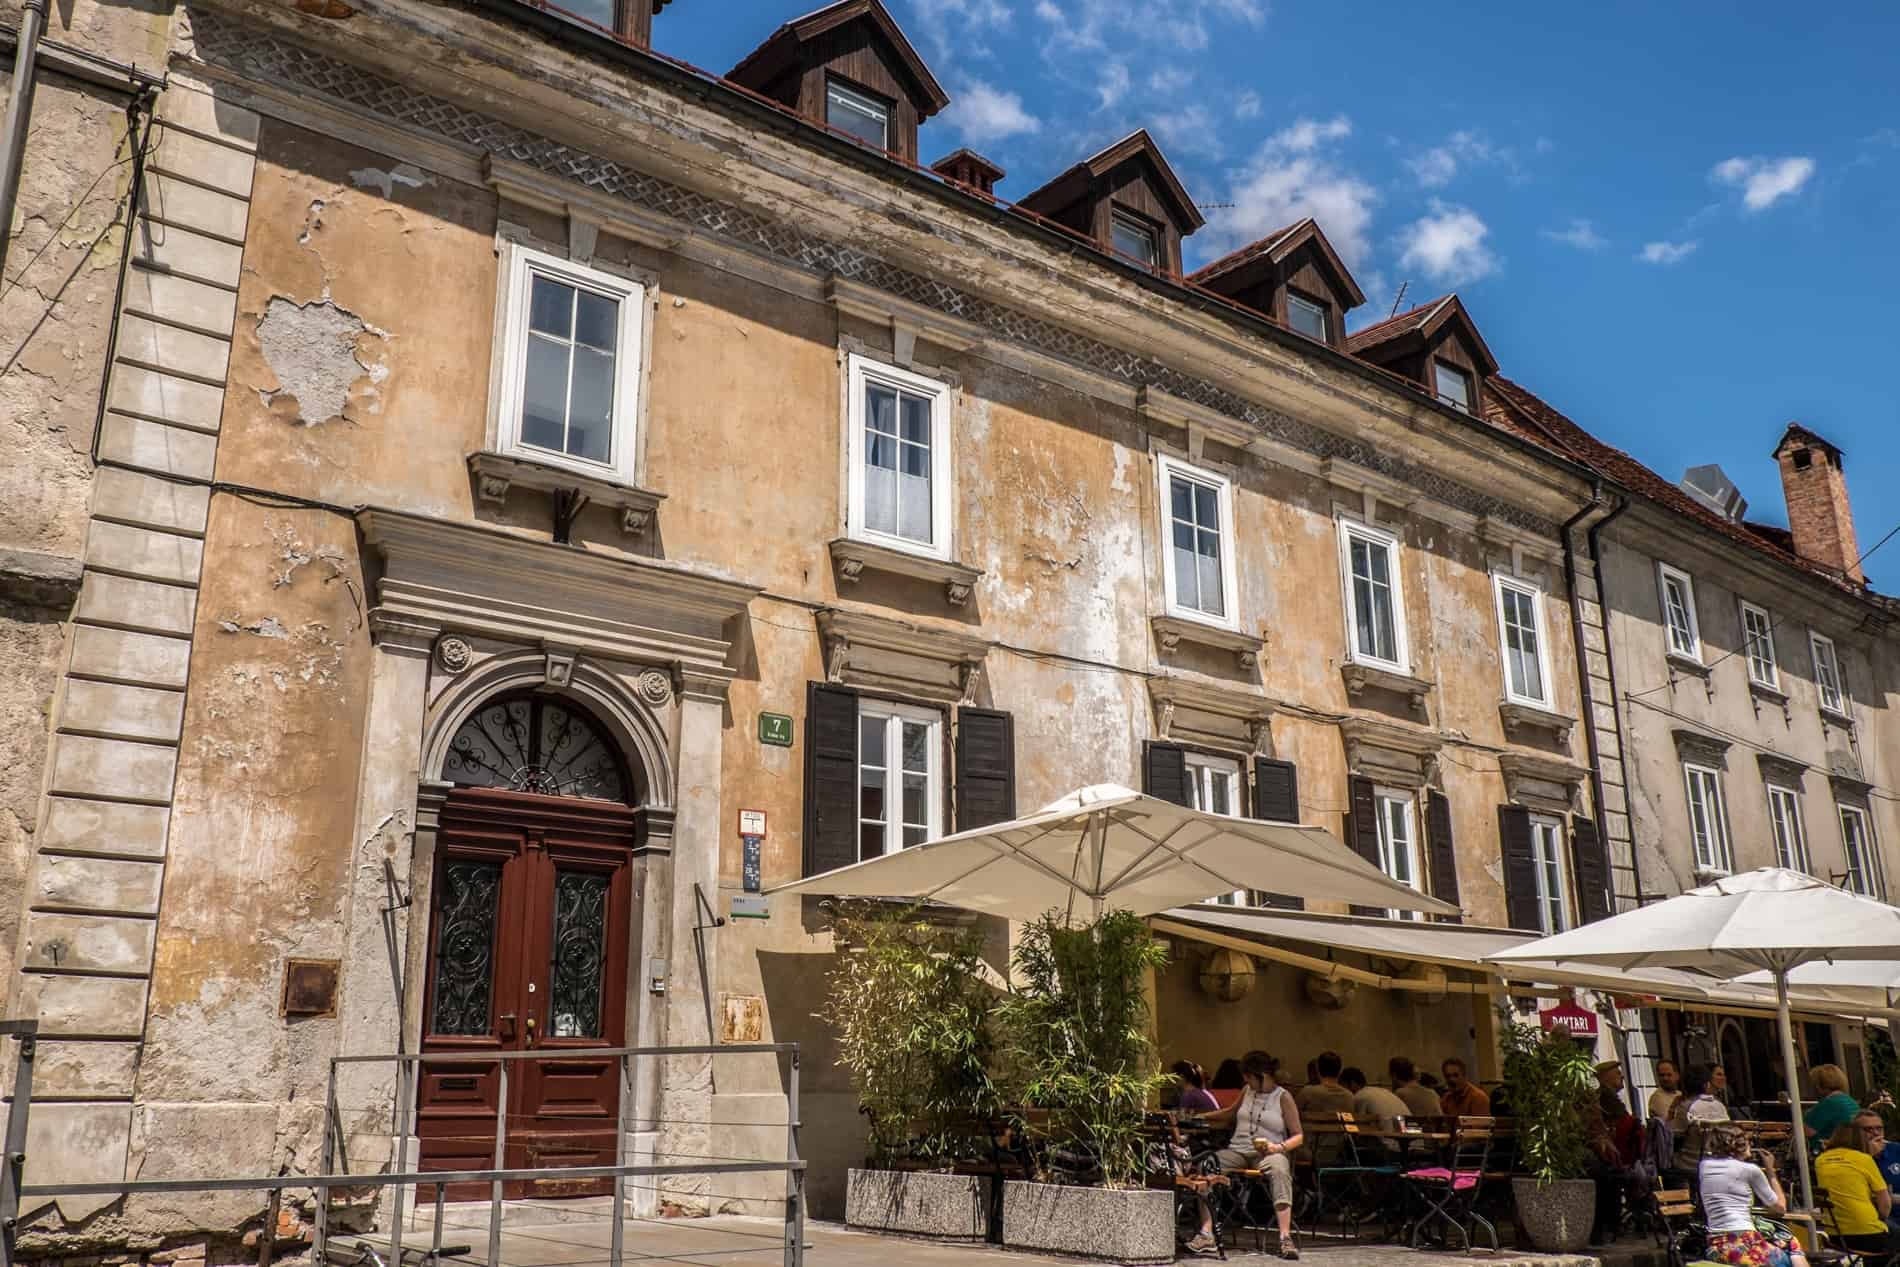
496 473
905 319
926 660
1390 752
1518 717
1704 749
854 558
1544 783
1198 421
401 634
1229 716
263 56
452 575
1172 631
1359 677
1779 769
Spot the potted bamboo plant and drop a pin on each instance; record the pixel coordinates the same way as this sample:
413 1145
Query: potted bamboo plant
1075 1050
910 1005
1552 1086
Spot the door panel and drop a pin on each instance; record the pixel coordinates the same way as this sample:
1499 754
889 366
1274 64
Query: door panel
527 952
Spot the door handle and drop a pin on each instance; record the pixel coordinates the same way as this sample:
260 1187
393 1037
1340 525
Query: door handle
530 1031
507 1026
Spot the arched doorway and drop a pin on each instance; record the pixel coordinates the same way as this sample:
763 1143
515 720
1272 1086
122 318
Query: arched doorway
528 936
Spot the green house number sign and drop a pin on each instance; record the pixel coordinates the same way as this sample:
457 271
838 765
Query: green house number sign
775 729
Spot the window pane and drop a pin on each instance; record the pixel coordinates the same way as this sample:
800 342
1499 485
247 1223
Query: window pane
1219 793
916 800
913 494
1187 583
1212 600
596 320
1453 386
544 395
464 958
1306 317
857 115
1181 499
1206 506
591 409
916 419
580 933
880 409
916 748
1385 635
870 841
1132 239
551 307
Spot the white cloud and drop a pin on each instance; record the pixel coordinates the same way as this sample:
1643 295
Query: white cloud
1437 166
1763 181
1113 84
1579 233
1666 252
1290 177
1247 105
1447 246
1188 130
957 25
1169 79
982 113
1048 11
1086 24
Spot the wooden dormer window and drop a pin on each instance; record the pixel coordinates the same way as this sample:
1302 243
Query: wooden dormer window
1133 237
1453 385
850 68
1308 316
1127 200
1293 277
857 114
1435 345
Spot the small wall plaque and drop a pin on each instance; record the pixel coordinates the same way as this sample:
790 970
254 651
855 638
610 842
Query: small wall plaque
310 987
775 729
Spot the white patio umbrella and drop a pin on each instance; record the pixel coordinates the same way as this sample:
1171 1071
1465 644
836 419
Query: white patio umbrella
1869 985
1772 920
1107 848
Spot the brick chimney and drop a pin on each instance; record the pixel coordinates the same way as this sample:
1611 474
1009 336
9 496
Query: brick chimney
1814 482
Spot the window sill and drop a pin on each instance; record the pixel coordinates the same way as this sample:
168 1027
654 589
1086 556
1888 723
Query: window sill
1680 663
1172 631
1836 716
496 473
855 557
1359 676
1771 694
1535 717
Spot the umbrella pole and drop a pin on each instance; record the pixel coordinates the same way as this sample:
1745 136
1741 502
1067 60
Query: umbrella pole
1786 1024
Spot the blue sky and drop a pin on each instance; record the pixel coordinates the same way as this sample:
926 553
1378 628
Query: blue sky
1676 222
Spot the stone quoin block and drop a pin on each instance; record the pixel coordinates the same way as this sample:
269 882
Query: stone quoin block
79 825
199 111
115 711
148 502
206 162
141 552
140 605
88 943
172 349
113 768
165 398
157 447
96 884
178 202
171 249
102 1007
211 309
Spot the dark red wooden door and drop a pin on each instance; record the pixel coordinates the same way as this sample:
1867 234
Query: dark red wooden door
528 946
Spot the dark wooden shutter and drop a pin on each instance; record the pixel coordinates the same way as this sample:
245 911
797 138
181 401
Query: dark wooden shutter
1276 798
1520 868
1164 772
831 777
1444 858
1363 830
986 767
1591 863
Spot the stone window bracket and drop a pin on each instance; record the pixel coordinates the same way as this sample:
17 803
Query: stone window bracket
1194 710
906 321
1761 695
1543 783
853 558
1360 677
1171 631
1392 754
1682 667
914 661
1519 718
571 492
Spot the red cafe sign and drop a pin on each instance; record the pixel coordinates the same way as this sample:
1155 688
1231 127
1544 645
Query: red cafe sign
1571 1019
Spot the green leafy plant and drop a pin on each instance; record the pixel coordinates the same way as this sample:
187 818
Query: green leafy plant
910 1007
1552 1086
1074 1038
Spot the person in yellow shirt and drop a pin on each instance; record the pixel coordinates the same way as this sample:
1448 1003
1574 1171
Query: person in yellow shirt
1856 1188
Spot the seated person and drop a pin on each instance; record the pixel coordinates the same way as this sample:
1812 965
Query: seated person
1836 1107
1668 1090
1463 1097
1409 1086
1325 1095
1384 1107
1192 1095
1694 1110
1266 1123
1856 1188
1730 1185
1887 1157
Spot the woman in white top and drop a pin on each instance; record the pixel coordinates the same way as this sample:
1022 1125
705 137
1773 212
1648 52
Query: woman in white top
1731 1187
1266 1126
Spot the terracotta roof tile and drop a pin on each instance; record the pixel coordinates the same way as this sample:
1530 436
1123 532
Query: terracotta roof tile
1566 437
1403 323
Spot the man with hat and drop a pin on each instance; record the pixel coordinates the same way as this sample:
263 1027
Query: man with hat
1610 1091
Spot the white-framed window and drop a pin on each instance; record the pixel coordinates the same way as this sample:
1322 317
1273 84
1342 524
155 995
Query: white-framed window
1133 238
1708 820
1214 788
1309 318
900 776
1521 639
1827 674
1678 609
1453 385
1865 875
570 387
1375 601
1398 840
899 454
1553 900
1197 509
1791 838
858 114
1758 636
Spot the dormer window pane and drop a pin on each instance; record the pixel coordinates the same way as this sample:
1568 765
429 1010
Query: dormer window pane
1454 386
1306 316
858 115
1134 239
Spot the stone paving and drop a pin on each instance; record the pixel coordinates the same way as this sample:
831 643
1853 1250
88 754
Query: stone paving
748 1242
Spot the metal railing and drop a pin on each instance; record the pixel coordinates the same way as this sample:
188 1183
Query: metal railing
14 1194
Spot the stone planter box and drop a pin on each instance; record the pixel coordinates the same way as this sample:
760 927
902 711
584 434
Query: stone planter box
1120 1225
918 1203
1557 1218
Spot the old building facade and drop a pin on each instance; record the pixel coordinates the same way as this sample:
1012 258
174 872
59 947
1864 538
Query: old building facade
521 455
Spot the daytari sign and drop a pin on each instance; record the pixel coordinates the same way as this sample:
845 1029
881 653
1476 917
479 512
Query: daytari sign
1573 1020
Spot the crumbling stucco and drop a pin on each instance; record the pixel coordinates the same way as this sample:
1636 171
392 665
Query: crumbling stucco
319 353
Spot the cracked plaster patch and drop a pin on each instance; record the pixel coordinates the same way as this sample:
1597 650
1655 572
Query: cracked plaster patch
315 351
